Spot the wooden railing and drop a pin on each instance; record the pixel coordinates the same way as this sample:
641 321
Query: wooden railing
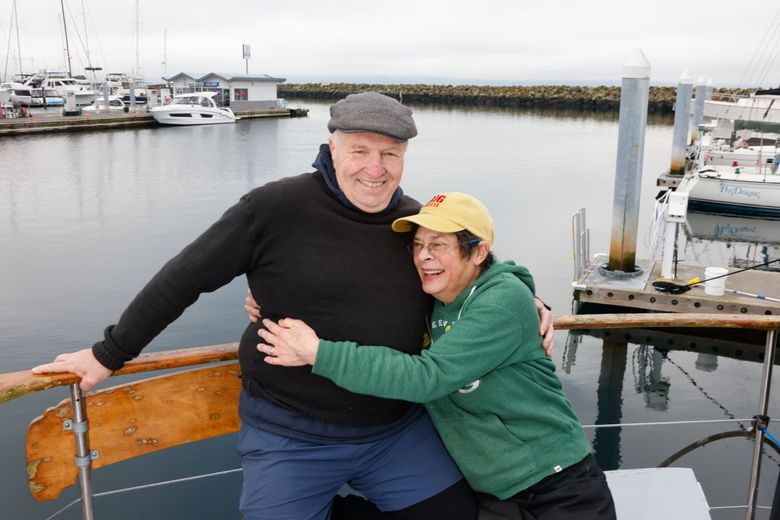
154 406
17 384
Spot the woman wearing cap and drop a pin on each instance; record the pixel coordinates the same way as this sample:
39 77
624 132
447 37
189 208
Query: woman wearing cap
489 389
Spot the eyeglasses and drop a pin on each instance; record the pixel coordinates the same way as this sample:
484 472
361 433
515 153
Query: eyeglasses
436 248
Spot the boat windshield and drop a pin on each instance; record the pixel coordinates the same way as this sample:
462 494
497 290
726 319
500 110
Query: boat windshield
188 100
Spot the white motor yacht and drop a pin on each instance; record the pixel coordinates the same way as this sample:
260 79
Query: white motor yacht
115 104
62 84
20 94
119 85
195 108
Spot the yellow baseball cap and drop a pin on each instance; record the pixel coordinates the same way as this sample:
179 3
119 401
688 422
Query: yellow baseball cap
449 213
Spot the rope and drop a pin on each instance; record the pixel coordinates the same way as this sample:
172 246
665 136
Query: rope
655 231
771 437
664 423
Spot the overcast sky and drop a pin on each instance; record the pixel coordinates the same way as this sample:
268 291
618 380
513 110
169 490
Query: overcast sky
481 42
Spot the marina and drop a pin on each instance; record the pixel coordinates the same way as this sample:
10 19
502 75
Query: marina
54 121
85 197
115 159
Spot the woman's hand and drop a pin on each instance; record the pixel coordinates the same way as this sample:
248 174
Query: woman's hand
289 343
251 307
545 326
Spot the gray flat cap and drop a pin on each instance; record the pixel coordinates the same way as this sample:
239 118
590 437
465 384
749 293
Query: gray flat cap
372 112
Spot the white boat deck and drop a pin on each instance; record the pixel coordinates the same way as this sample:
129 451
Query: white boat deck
658 493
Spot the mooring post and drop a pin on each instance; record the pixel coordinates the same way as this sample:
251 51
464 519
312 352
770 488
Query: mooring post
698 108
634 93
131 86
83 461
763 406
106 106
682 118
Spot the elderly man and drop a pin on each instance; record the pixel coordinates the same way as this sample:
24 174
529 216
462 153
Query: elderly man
319 247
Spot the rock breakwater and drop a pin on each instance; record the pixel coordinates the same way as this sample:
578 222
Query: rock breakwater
555 97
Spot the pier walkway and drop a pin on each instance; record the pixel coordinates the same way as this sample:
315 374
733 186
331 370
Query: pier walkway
53 120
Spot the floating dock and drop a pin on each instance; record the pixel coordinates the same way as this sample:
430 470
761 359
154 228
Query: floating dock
593 286
54 121
667 180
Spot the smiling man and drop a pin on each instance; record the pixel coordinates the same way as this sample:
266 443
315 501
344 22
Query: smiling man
319 247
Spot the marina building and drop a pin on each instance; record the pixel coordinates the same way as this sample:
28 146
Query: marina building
241 92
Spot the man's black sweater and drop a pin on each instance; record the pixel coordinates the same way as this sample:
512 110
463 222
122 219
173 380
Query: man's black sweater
306 256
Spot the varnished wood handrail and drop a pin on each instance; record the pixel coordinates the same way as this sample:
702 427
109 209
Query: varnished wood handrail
17 384
672 320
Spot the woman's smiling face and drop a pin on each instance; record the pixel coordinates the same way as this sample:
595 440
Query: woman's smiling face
443 270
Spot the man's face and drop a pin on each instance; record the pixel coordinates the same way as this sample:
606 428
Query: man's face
368 168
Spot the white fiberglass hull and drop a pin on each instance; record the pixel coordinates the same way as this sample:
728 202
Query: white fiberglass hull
750 194
5 96
753 157
85 98
756 109
167 115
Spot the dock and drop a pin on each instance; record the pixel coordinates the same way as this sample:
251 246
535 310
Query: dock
667 180
593 286
54 121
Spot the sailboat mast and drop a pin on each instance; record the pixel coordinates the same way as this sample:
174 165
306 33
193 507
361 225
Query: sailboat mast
165 52
86 32
137 68
18 45
67 46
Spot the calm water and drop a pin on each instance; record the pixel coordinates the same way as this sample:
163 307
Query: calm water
86 220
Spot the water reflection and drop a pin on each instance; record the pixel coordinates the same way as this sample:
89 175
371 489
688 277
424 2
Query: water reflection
609 404
732 241
707 378
86 220
653 119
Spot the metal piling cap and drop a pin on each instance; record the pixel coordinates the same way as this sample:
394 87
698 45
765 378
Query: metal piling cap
637 66
685 78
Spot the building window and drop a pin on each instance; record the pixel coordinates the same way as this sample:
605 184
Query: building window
240 94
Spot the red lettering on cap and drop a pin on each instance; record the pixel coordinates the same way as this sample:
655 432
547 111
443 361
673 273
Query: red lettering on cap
435 201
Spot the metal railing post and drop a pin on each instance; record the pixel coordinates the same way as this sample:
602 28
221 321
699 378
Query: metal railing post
763 405
83 454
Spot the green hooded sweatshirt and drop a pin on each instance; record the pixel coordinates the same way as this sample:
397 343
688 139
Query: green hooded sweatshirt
489 388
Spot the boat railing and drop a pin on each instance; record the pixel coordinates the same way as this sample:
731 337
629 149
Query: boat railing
209 395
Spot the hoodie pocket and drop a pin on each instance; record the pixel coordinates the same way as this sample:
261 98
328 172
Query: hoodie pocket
490 456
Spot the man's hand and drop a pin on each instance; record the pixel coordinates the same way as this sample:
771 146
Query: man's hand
545 327
251 307
81 363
